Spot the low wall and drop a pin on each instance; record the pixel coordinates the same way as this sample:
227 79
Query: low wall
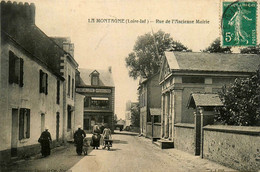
237 147
157 130
184 137
149 130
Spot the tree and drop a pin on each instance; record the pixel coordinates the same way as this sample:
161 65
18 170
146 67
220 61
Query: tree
251 50
241 102
145 59
216 48
135 116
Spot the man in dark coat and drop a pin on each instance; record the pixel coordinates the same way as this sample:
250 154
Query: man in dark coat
79 135
45 140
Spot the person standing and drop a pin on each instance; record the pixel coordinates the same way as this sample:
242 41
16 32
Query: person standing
79 135
101 131
45 140
107 136
96 129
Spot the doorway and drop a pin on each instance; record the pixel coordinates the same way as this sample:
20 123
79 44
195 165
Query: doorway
86 124
57 126
14 137
42 122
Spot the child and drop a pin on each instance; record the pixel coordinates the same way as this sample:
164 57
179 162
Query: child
85 146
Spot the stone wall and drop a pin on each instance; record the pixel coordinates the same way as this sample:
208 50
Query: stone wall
149 130
184 137
237 147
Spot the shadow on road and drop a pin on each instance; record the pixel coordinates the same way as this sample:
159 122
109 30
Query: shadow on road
126 133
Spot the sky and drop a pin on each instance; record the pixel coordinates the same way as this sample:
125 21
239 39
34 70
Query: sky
100 45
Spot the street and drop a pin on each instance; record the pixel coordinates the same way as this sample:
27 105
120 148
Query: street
129 153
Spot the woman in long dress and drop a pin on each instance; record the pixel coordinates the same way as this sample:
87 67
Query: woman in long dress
45 140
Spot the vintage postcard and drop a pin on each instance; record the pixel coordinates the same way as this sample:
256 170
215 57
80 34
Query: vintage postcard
129 85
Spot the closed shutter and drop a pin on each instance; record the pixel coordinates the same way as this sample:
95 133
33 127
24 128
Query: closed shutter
21 124
21 73
46 87
40 83
11 67
28 123
58 92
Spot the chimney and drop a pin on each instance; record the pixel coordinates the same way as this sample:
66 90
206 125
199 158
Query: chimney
110 69
13 13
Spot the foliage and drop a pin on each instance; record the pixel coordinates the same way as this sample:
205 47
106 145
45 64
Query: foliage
216 48
251 50
145 58
242 102
135 116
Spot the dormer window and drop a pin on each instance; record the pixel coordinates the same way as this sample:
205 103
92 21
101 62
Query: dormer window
94 78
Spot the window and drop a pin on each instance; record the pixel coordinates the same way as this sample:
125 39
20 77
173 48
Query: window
24 123
58 92
94 80
69 118
72 89
43 82
15 69
157 119
96 102
68 85
193 79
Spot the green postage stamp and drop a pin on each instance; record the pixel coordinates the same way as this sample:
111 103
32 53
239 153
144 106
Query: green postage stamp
238 24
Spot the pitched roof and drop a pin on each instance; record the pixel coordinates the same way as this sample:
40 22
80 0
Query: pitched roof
213 61
155 111
204 99
105 77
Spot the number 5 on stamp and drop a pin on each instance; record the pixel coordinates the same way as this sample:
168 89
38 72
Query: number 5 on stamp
239 23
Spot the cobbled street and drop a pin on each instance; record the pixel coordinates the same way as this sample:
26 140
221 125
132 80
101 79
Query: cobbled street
129 153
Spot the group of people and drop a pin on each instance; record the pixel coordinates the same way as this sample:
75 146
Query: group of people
80 139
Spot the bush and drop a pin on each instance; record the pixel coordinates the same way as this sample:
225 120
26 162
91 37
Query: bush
241 102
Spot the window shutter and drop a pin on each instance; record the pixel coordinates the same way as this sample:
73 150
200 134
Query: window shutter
46 87
17 69
11 67
21 124
58 92
28 123
40 83
21 72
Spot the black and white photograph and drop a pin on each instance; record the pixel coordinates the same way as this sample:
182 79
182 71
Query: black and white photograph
130 85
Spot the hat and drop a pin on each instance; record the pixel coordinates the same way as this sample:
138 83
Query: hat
79 126
46 128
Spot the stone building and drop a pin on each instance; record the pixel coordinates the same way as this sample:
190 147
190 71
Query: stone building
183 73
150 105
68 69
33 80
99 103
128 114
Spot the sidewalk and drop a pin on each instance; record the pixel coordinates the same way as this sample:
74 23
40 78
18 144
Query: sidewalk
190 161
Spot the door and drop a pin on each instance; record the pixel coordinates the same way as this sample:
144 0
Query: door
42 122
57 126
86 124
14 137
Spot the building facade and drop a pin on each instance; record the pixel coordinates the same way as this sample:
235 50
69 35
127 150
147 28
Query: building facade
31 86
37 84
184 73
128 113
68 69
98 89
150 101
